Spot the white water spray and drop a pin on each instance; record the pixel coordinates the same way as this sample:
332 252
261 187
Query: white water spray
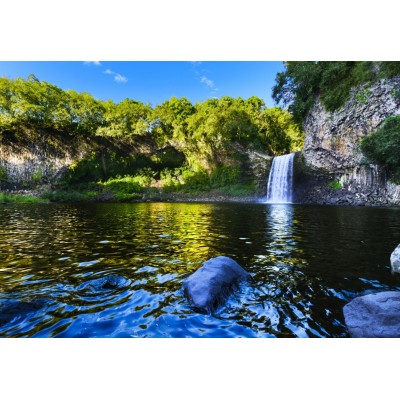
280 181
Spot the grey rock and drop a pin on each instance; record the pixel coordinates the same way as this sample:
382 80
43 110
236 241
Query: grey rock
212 283
374 315
332 141
395 260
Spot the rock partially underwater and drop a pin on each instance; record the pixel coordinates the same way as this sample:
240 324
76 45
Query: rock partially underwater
212 283
11 309
105 283
374 315
395 260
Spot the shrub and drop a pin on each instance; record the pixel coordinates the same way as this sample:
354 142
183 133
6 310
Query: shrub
145 177
335 184
170 179
185 179
123 185
3 174
239 189
37 176
64 196
195 180
383 145
17 198
224 175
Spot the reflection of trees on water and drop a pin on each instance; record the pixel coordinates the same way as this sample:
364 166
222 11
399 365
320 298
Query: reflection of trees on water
304 260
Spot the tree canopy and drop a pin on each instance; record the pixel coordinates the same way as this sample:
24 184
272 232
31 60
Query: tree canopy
206 131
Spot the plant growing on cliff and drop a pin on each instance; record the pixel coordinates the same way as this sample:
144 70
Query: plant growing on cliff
3 174
362 96
303 82
37 176
335 184
383 145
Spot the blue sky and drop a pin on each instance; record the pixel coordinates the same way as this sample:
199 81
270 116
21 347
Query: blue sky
154 81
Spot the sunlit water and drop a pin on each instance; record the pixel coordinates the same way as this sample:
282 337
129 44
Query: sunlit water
116 270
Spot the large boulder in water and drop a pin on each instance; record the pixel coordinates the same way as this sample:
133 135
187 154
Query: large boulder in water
395 259
374 315
213 282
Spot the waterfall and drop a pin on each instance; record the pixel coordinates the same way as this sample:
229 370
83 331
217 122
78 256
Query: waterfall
280 181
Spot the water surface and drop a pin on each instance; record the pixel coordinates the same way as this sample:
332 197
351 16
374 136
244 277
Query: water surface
116 270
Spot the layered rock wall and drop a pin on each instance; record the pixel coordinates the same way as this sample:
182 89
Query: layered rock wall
37 160
332 141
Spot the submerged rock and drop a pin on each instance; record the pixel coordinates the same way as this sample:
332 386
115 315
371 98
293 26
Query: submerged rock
374 315
213 282
16 309
395 259
108 282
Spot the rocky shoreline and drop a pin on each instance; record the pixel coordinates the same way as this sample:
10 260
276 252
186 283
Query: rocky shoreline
324 195
318 195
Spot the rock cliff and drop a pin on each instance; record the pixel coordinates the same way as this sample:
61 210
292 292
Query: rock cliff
332 146
38 158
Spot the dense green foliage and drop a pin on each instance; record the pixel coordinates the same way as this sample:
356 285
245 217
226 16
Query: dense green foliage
41 105
18 198
136 148
383 145
303 81
204 131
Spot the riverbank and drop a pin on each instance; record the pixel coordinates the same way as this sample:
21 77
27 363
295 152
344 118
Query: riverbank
29 196
329 195
316 196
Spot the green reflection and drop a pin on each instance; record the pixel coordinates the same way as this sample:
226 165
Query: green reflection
305 262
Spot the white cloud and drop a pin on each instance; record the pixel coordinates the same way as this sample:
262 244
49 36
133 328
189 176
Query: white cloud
120 78
117 77
208 82
97 63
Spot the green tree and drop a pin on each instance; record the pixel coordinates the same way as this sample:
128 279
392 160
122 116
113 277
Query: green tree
169 120
7 93
86 113
278 131
125 119
216 126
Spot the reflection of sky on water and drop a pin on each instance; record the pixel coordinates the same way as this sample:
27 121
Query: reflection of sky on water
305 263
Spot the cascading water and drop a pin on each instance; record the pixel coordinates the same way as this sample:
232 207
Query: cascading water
280 181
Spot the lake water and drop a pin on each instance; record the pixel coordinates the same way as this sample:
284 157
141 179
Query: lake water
116 270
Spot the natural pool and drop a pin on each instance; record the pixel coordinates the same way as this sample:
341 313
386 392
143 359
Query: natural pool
306 263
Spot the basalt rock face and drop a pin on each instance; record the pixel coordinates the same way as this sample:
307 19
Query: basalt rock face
307 179
38 158
332 150
259 166
33 158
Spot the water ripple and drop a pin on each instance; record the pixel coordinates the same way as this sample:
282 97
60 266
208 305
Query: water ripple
117 270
